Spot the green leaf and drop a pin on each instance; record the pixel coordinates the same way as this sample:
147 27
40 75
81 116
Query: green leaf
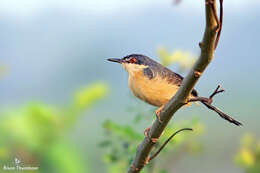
87 96
122 131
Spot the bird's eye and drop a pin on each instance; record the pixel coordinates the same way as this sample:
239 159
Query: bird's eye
132 60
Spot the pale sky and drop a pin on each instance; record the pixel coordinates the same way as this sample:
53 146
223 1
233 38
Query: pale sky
29 7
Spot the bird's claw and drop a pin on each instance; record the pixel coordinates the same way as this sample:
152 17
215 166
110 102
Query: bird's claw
158 112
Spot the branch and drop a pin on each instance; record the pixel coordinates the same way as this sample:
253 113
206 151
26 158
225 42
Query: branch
208 101
165 143
220 22
181 97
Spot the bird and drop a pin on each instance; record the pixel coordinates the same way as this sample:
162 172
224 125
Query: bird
156 85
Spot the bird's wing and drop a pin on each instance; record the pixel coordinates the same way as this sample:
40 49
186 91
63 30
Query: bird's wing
175 79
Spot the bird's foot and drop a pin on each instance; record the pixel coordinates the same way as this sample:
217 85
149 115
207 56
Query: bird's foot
146 133
158 112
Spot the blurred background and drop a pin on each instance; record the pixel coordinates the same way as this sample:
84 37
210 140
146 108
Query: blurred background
64 108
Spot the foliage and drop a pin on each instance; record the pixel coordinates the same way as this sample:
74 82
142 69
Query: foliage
36 133
248 156
121 141
184 59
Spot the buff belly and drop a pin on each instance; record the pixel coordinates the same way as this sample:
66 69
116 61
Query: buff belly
156 91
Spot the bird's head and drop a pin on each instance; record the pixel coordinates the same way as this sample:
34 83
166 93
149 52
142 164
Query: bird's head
134 62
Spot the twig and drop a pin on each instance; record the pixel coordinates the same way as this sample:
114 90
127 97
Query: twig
211 3
216 92
208 101
148 159
221 22
218 20
166 142
182 96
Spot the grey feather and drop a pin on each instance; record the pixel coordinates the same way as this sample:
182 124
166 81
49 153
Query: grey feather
148 73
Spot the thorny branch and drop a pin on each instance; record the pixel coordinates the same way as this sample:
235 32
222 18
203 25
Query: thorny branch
208 45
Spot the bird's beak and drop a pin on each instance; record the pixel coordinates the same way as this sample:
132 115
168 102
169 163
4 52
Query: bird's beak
115 60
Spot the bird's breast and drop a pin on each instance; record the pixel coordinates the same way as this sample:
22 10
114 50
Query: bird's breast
156 91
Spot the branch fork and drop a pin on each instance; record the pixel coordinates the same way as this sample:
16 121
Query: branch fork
149 158
208 103
205 99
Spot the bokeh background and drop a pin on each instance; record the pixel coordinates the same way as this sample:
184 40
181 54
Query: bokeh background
64 108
